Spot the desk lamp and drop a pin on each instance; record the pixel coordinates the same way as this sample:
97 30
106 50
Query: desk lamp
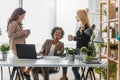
99 38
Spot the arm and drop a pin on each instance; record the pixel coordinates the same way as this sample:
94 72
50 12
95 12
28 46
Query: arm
42 51
80 35
59 49
12 31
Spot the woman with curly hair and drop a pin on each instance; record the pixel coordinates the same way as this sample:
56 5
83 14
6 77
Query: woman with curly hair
51 47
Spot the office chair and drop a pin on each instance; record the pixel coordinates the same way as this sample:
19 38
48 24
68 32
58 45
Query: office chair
53 70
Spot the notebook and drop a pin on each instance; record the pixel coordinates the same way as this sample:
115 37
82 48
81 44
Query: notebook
26 51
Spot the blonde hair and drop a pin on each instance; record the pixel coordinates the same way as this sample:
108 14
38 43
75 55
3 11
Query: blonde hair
82 17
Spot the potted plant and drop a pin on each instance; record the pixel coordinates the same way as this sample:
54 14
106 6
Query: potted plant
4 48
113 46
103 47
116 11
84 51
112 31
114 50
91 49
70 53
103 71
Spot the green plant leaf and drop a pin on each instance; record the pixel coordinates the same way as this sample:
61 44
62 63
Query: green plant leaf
4 48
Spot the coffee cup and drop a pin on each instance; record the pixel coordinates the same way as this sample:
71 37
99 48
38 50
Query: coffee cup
28 31
69 37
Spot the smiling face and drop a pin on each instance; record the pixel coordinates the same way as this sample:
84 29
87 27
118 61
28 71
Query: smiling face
57 35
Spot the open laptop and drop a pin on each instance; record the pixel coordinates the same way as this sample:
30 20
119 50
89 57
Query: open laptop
26 51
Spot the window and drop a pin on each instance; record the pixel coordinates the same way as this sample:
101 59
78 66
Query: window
6 8
38 19
41 16
45 14
66 13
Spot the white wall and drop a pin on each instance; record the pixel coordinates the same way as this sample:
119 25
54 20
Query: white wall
42 16
39 19
66 12
6 8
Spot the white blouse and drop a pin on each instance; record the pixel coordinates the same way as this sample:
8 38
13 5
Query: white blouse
51 50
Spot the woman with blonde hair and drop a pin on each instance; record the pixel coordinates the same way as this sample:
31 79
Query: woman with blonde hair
51 47
81 39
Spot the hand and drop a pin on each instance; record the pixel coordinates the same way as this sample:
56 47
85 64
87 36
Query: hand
57 46
28 31
24 32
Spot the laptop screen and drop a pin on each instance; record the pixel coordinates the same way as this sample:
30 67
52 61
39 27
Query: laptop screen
26 51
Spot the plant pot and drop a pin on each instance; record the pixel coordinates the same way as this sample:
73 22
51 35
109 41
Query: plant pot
71 57
4 56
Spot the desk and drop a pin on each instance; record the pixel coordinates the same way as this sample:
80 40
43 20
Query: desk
51 61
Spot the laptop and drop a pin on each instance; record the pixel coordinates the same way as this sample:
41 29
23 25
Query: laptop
26 51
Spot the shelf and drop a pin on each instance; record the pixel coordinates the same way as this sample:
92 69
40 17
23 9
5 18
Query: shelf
110 38
111 59
105 56
111 20
103 3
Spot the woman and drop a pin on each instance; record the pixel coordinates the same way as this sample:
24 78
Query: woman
51 47
81 40
16 34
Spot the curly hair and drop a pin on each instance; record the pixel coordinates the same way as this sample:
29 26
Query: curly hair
57 28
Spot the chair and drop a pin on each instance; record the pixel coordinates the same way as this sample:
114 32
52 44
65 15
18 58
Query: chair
52 70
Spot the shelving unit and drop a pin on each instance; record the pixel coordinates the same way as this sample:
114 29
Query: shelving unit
110 20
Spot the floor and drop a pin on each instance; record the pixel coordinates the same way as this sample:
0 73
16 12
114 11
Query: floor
52 76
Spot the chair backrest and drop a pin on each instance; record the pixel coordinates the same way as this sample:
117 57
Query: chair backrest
52 70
